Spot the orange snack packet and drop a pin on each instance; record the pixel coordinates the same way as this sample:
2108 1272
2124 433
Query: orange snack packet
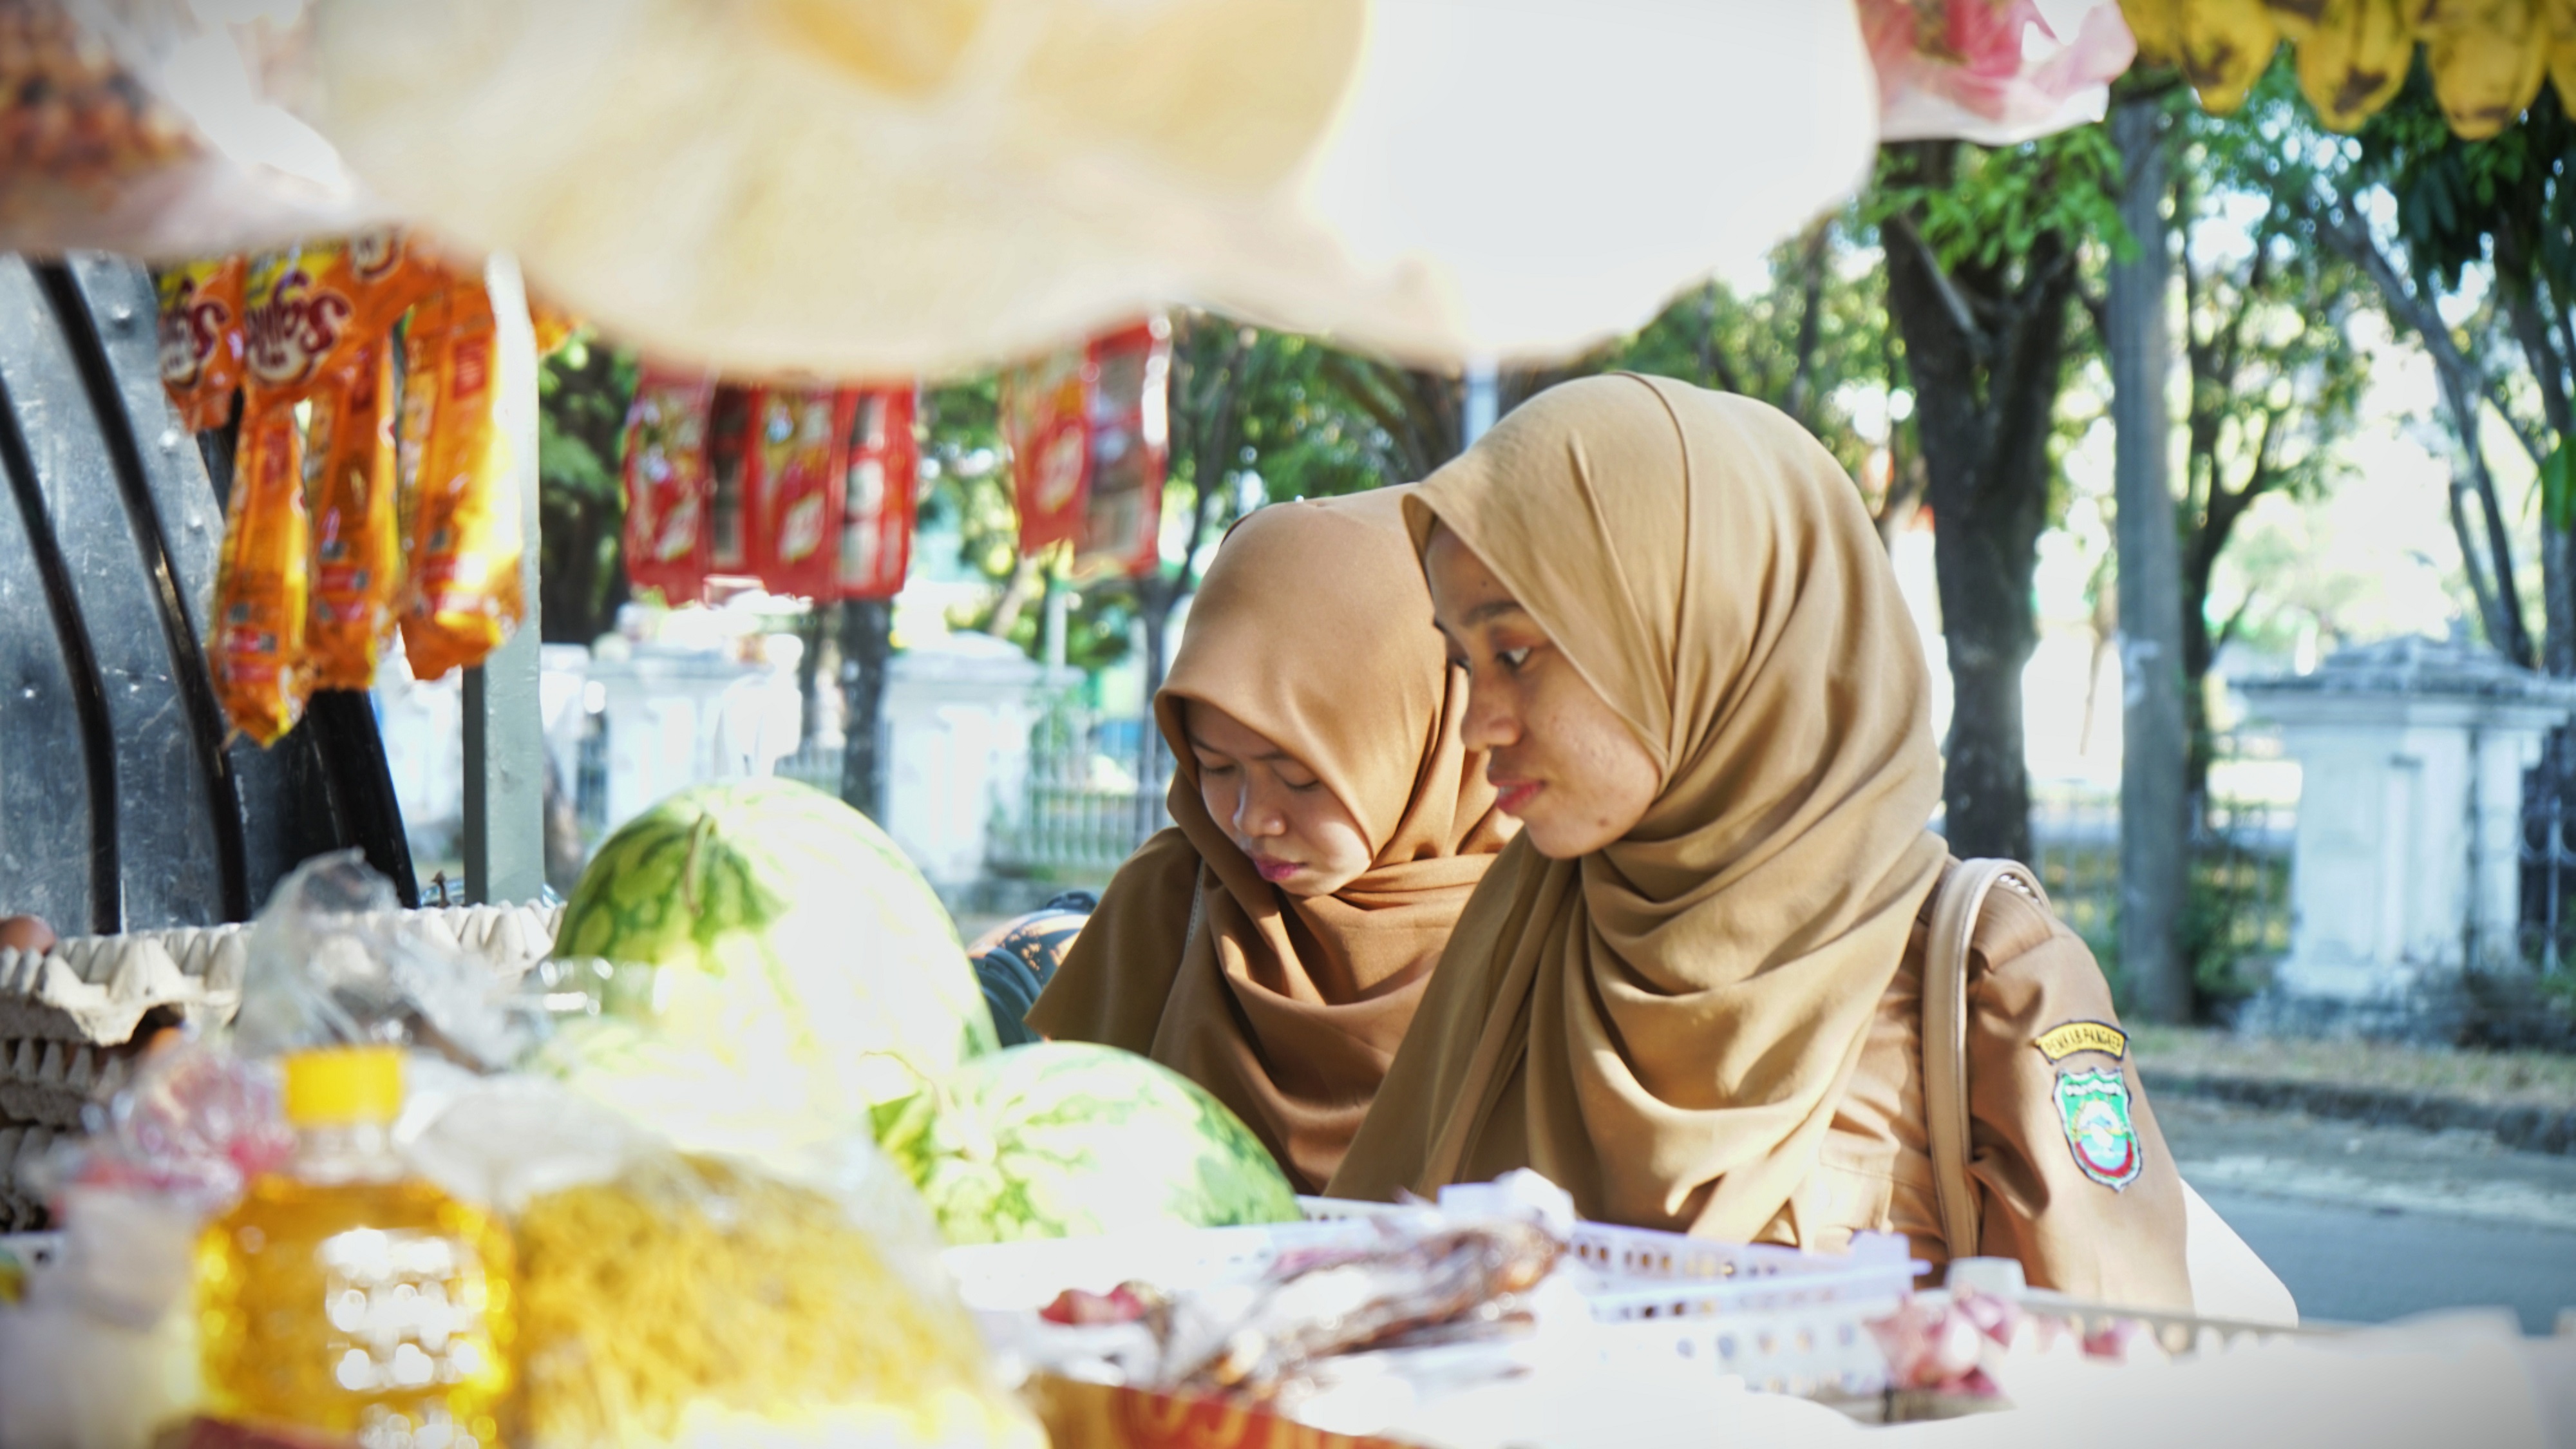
357 539
554 326
201 339
256 644
461 595
308 308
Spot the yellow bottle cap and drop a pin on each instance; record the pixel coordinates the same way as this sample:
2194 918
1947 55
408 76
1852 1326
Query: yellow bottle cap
336 1086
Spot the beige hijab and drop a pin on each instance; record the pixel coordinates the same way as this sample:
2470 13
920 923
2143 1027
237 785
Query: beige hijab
1664 1027
1314 629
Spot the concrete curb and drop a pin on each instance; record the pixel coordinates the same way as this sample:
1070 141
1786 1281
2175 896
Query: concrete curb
2523 1127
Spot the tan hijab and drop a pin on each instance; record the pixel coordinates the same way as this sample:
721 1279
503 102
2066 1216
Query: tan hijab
1314 629
1664 1027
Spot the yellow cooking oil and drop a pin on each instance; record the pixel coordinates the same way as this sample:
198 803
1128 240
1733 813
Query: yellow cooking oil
347 1296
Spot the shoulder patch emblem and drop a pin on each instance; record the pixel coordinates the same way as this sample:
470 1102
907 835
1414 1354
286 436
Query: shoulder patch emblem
2060 1042
2093 1107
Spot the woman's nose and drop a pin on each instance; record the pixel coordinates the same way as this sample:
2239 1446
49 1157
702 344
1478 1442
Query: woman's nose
1256 814
1490 723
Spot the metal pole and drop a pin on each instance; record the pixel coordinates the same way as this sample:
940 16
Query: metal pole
2155 839
505 744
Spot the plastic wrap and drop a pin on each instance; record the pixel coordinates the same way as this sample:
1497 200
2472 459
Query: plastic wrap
161 129
1996 72
329 965
707 1301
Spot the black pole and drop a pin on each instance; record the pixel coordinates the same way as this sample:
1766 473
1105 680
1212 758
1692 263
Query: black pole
867 642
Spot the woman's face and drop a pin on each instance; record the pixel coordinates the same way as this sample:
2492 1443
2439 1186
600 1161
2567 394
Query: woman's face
1277 811
1558 756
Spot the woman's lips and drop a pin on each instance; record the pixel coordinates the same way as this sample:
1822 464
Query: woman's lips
1511 795
1274 871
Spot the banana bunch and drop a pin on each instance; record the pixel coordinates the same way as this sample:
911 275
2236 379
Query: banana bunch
2157 27
2353 55
2223 46
2488 59
2560 24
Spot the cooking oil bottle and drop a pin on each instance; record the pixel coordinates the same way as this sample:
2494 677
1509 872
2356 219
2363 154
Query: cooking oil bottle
347 1296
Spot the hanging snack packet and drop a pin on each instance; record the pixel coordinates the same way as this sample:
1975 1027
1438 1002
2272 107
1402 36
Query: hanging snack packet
201 339
311 306
357 543
796 490
462 595
666 483
293 317
256 651
879 496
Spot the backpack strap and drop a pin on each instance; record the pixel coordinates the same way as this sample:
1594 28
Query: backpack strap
1956 907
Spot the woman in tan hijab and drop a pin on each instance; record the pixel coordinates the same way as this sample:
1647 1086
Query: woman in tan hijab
1328 826
1690 991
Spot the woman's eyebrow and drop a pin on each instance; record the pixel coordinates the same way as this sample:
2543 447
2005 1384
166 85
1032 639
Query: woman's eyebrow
1203 747
1494 610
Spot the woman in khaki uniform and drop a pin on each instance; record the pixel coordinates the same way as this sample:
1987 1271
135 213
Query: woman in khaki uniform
1327 828
1690 992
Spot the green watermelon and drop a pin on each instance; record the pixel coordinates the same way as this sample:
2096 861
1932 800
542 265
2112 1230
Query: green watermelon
1065 1139
796 950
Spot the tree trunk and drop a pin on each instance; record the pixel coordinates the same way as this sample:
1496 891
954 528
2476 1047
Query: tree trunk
1986 451
867 643
2154 630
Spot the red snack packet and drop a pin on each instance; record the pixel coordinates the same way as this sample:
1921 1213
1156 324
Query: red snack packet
1043 423
201 339
880 492
357 538
1122 508
796 477
667 483
255 649
462 594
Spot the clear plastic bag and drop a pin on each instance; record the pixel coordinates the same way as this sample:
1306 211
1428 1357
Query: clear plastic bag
698 1298
329 966
166 129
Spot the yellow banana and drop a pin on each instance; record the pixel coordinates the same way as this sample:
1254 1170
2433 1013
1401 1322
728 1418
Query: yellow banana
2157 26
2488 62
2560 19
2299 19
2355 60
2226 44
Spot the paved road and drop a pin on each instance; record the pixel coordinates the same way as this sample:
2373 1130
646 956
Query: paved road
2366 1224
2368 1265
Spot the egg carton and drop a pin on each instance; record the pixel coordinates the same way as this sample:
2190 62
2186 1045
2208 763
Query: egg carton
68 1016
21 1147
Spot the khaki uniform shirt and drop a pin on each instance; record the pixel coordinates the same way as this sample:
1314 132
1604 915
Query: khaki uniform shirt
2072 1174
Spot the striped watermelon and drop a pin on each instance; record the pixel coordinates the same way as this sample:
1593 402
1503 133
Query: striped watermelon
796 948
1065 1139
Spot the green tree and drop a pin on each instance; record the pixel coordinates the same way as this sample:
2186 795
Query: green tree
2275 380
583 390
2471 246
1984 250
1805 343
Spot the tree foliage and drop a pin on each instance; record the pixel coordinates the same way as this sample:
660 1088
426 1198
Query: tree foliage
583 390
2275 377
